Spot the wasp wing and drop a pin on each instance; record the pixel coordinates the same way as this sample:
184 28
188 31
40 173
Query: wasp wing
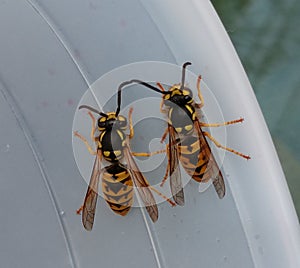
141 185
90 201
174 169
212 171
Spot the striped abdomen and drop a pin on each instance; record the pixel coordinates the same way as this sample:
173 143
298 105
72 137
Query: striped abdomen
196 158
117 188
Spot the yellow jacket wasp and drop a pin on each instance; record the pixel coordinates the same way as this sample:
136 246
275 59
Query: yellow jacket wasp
118 178
187 140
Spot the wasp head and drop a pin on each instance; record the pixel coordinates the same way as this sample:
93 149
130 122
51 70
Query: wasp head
111 120
178 96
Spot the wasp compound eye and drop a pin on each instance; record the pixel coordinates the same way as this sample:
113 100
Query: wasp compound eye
187 98
101 123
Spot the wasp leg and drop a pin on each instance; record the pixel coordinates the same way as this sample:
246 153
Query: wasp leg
162 110
93 138
131 130
160 86
154 153
165 177
201 104
149 154
90 149
132 134
202 124
223 147
167 169
78 211
164 135
162 195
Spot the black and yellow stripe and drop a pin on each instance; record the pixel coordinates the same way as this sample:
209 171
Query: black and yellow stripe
117 188
194 159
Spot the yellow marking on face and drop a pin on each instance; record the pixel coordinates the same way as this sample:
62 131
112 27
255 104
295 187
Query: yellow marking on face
111 115
185 92
102 119
176 92
167 96
175 87
121 118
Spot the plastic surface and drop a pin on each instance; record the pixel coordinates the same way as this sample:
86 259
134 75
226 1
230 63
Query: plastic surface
51 51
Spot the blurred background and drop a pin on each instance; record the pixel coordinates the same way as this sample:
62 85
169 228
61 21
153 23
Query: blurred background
267 39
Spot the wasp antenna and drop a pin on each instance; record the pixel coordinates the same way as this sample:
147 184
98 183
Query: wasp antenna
92 109
120 95
183 73
148 86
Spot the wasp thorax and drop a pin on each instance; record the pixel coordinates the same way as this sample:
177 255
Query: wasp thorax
181 118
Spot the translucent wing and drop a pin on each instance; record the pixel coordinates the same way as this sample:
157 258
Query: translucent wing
90 201
203 186
142 186
212 171
174 169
